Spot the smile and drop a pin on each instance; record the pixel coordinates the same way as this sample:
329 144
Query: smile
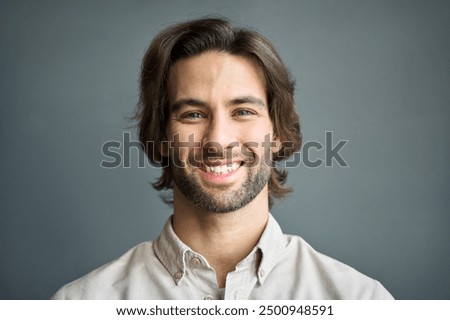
224 169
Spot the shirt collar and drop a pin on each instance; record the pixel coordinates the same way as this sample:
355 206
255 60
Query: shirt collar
171 251
272 244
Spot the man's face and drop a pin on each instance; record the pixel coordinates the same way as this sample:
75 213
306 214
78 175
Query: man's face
217 125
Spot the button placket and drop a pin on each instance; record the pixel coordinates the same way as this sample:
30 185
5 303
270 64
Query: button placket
262 273
195 262
178 275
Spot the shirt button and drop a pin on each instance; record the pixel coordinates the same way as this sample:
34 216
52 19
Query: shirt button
195 262
208 297
178 275
262 273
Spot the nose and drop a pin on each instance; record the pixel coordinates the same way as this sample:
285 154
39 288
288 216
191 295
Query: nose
220 134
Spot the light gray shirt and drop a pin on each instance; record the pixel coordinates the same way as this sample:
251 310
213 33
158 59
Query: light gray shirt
279 267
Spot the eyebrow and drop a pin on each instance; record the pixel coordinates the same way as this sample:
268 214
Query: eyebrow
187 102
234 102
247 100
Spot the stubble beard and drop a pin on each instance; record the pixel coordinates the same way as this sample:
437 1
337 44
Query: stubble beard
225 198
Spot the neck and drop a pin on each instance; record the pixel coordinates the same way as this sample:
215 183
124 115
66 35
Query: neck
224 239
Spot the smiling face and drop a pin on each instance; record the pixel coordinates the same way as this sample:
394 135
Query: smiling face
217 125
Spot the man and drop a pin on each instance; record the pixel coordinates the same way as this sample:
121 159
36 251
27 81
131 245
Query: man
218 104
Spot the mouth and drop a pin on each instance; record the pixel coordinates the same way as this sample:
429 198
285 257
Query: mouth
222 169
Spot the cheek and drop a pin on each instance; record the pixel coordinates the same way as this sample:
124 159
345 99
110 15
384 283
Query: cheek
185 133
258 134
183 143
267 144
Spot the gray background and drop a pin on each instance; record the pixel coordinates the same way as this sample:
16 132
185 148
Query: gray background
376 73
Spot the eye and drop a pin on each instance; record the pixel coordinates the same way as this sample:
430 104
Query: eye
244 112
192 115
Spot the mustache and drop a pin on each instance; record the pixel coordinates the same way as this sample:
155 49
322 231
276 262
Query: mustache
197 157
201 157
215 154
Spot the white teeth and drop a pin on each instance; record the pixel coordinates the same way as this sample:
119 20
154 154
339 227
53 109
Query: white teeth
223 169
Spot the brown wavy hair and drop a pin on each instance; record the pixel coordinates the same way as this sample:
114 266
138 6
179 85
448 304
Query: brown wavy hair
214 34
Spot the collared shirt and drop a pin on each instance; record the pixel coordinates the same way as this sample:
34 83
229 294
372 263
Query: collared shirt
279 267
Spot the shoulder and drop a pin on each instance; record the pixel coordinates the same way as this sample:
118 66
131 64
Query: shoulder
110 280
328 278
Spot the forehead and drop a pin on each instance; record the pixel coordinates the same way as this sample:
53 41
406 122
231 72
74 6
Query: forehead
216 75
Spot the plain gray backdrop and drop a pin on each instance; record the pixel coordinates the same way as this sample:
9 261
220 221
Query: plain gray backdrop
375 73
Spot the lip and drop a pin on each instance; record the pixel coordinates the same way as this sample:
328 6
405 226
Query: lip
220 178
219 163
